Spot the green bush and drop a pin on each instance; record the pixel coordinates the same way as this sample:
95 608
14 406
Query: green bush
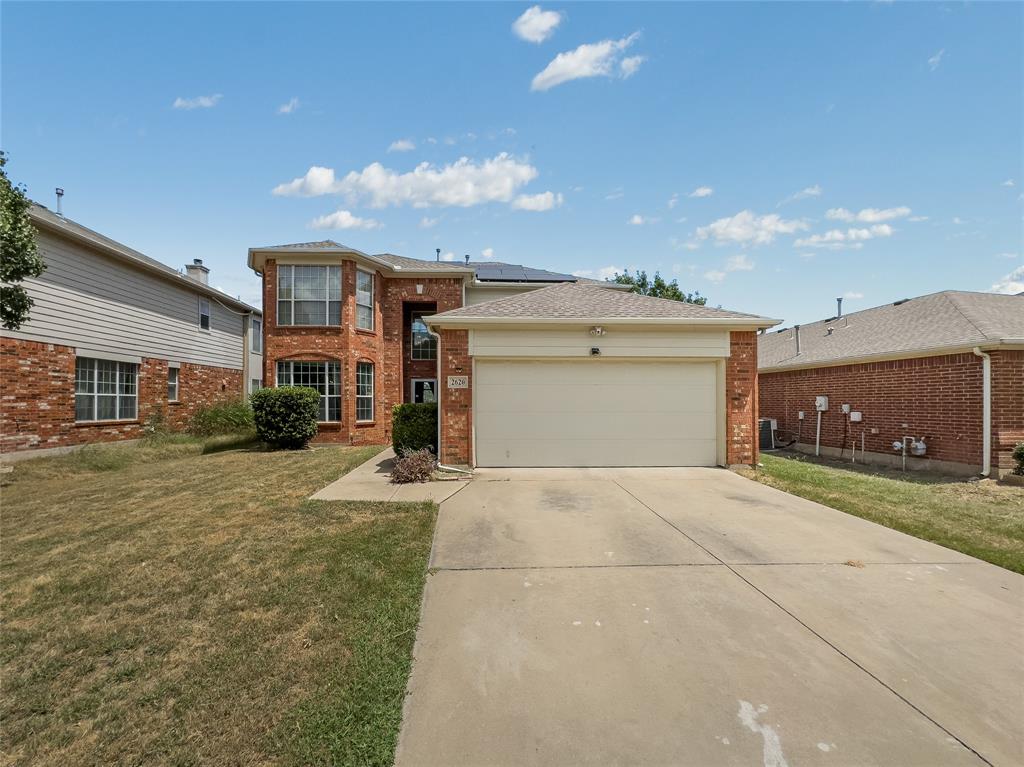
1018 456
286 416
232 417
414 427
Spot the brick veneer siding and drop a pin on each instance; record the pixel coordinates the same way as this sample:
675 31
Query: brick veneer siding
37 397
741 399
1007 407
383 346
456 404
938 398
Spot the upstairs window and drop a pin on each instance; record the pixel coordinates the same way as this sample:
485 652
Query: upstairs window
424 345
364 300
364 391
308 295
325 377
172 384
257 336
105 390
204 314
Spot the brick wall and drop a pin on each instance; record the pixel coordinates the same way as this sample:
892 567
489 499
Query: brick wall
456 404
741 399
938 398
37 397
1007 407
383 346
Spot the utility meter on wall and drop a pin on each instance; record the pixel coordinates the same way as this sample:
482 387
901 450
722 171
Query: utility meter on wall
821 403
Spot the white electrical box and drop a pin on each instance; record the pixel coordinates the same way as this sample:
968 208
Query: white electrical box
800 414
845 407
821 403
856 416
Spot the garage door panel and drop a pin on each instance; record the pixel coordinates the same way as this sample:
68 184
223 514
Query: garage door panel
595 413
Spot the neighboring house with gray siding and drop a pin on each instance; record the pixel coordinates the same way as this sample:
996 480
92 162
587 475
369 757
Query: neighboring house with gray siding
118 341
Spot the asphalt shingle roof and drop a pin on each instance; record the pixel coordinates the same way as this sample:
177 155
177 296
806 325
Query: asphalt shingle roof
939 320
570 300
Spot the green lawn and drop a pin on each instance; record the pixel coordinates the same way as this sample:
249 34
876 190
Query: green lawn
982 519
163 605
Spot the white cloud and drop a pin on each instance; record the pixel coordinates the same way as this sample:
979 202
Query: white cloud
917 219
427 222
589 60
702 191
803 194
714 275
1009 182
748 227
537 202
402 145
629 65
868 215
487 252
291 106
739 263
853 295
603 273
536 25
850 238
342 219
199 102
462 184
958 221
1006 255
1012 283
673 201
934 61
615 194
449 256
637 220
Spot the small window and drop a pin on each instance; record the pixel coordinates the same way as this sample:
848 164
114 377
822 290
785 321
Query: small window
424 390
172 384
325 377
105 390
364 300
364 391
255 384
424 345
308 295
257 336
204 314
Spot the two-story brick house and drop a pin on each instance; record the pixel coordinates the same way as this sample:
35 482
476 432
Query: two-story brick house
529 367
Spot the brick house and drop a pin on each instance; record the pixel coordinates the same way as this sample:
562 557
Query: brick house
115 340
946 369
529 367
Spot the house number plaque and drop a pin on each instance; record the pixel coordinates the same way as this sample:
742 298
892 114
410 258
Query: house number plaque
458 382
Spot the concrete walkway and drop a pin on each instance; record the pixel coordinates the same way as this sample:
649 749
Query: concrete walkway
371 481
693 617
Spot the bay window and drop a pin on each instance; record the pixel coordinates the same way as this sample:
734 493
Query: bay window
308 295
325 377
364 391
364 300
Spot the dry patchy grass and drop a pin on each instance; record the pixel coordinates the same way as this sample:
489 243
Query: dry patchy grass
170 606
982 519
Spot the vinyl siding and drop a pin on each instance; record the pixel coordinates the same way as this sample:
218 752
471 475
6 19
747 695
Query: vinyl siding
617 342
89 300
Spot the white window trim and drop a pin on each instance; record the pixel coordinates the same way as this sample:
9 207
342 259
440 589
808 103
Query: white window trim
341 388
177 383
95 394
327 301
371 396
208 314
373 286
412 388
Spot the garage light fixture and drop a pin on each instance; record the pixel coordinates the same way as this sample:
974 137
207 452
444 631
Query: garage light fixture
597 330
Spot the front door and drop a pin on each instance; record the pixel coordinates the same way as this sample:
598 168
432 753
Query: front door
424 390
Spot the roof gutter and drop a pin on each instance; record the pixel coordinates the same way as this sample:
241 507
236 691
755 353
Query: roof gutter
358 255
986 411
440 320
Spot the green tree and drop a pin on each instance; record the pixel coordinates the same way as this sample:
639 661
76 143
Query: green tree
19 257
640 283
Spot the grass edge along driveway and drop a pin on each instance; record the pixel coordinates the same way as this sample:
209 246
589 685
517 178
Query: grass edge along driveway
980 519
163 605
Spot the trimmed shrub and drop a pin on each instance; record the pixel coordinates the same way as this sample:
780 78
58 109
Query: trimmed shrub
1018 456
231 417
286 416
414 427
413 466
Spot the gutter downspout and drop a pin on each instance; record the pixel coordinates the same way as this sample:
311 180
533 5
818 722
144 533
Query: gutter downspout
438 374
986 411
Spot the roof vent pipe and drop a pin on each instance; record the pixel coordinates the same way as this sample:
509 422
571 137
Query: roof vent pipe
197 271
839 307
467 259
796 335
438 253
60 198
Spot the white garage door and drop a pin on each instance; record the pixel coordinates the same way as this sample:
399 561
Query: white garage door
595 413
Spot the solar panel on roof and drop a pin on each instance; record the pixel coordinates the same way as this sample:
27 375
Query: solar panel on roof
515 273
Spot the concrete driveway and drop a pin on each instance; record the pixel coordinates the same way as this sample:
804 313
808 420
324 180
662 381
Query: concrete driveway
693 617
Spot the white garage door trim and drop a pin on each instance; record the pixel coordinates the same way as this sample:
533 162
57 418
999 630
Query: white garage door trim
702 451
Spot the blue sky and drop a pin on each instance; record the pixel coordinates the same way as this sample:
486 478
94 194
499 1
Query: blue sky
771 156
